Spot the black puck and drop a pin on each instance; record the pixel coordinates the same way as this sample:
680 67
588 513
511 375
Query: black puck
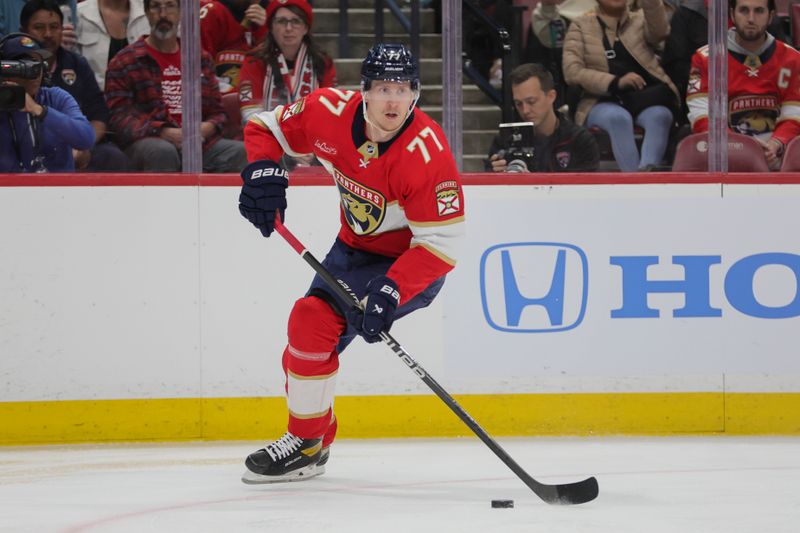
502 504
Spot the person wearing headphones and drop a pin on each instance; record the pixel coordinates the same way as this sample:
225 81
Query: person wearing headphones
39 136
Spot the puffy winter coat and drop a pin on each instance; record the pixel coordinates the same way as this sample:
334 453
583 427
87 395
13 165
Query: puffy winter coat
585 62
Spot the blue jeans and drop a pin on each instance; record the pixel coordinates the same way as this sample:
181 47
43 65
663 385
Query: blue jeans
618 123
356 268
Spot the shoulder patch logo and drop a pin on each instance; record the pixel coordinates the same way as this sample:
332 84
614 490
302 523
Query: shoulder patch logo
448 198
292 110
363 208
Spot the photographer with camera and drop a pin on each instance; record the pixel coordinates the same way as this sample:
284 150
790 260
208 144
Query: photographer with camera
43 20
42 125
557 144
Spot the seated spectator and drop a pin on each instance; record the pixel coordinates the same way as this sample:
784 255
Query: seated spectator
105 27
559 145
143 90
41 135
623 83
763 81
11 9
690 32
43 19
288 64
229 29
545 43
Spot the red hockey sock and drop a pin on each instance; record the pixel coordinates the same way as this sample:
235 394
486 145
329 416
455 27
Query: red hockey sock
311 362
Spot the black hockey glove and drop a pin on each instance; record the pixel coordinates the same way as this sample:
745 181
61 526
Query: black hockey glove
380 303
263 193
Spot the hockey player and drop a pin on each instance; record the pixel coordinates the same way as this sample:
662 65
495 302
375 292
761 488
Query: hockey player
402 217
763 81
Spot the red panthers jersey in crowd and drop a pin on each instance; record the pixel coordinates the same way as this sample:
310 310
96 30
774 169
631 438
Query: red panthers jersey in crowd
763 92
401 198
227 41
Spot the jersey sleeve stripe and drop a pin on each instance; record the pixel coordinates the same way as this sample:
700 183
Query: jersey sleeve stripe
454 220
789 111
698 107
270 120
443 241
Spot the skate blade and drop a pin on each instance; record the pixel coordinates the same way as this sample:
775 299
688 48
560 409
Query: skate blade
251 478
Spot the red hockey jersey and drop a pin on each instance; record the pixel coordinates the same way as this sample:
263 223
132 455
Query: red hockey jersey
763 92
401 198
227 41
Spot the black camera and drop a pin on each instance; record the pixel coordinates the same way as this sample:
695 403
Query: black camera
12 97
517 141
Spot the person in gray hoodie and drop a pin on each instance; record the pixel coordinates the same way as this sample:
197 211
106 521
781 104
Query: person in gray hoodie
689 32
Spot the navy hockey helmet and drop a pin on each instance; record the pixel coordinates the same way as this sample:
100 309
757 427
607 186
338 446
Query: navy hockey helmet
391 62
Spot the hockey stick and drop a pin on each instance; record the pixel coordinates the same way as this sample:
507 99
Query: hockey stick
566 494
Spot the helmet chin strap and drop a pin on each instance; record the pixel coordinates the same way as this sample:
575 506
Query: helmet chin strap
381 130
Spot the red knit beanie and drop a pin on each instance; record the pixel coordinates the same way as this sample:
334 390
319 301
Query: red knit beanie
274 5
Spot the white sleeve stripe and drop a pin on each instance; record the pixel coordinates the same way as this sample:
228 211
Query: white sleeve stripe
442 241
270 120
698 108
789 112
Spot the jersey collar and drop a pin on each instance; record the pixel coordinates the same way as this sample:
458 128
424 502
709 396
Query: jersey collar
359 131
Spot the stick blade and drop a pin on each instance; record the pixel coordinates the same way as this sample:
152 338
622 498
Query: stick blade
571 493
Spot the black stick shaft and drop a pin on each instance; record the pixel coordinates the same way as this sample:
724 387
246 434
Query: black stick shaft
415 367
572 493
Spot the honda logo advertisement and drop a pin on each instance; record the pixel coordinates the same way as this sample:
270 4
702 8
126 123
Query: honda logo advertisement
710 290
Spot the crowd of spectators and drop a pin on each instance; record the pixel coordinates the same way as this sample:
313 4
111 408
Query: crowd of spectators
635 72
632 72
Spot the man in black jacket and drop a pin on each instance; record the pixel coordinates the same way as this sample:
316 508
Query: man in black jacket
559 145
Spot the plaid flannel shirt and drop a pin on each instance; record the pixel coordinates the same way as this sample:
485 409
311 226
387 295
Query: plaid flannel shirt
133 93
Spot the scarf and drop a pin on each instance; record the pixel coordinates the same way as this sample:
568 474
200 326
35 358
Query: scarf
296 83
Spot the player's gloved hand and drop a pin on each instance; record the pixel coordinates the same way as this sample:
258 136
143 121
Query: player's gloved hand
263 193
380 304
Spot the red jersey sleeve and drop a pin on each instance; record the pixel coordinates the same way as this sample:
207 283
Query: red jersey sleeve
270 134
432 199
787 126
251 86
213 28
697 91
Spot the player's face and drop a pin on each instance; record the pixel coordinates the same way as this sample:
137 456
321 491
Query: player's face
388 103
288 28
532 103
751 18
46 27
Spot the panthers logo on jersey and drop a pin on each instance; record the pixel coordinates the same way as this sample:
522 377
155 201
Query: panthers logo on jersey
363 208
753 114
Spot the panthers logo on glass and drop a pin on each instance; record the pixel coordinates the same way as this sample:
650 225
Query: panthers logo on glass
363 208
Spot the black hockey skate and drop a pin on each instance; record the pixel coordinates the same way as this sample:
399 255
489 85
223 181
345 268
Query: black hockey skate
289 458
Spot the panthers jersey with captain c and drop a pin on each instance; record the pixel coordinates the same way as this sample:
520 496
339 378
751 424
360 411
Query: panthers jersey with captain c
401 198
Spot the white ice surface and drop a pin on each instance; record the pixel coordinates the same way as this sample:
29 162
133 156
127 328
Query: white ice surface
647 485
